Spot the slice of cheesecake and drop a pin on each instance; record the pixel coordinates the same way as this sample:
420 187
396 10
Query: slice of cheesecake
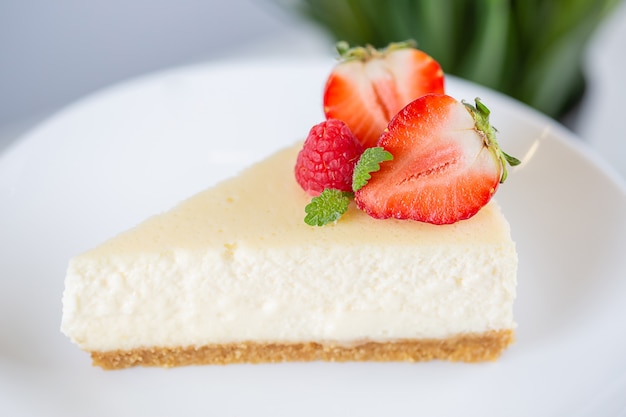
234 275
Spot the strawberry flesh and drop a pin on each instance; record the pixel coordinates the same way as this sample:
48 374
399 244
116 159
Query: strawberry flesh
367 92
443 169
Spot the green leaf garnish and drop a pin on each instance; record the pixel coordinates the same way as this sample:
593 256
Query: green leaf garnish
369 162
327 207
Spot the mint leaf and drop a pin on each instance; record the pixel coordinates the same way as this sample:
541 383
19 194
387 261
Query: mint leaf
327 207
369 162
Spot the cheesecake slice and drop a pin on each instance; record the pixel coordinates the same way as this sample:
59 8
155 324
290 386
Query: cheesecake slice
233 275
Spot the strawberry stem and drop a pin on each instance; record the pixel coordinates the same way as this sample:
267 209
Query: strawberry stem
481 113
367 52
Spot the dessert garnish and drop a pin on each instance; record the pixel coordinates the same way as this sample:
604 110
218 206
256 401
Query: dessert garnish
327 207
447 163
331 204
369 162
369 86
427 157
327 158
438 162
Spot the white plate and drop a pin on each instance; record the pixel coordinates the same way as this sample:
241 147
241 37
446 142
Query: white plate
138 148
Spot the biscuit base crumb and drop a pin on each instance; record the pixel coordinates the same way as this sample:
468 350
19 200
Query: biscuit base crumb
464 348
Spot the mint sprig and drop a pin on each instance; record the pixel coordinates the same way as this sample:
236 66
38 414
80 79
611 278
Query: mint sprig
331 204
369 162
327 207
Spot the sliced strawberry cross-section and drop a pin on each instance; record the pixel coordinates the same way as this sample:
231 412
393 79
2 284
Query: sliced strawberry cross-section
446 163
369 86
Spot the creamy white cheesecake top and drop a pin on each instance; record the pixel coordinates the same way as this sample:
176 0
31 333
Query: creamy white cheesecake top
237 262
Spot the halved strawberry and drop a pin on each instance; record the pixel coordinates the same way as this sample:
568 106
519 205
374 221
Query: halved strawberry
370 86
446 163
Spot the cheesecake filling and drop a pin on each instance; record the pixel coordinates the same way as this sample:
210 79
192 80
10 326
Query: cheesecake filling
339 295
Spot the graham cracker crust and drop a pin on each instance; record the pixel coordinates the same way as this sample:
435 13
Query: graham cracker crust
464 348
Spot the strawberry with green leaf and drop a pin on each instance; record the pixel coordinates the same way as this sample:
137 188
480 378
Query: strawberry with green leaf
369 86
446 165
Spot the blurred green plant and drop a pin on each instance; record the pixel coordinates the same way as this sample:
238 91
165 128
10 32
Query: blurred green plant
529 49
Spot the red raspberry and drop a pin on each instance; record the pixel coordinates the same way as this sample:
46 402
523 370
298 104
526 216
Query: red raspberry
328 157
